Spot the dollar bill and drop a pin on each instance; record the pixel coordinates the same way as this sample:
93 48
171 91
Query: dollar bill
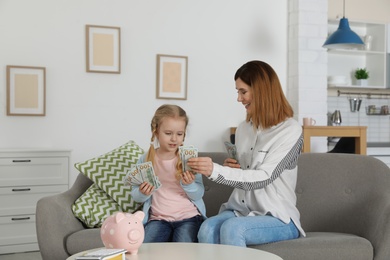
141 173
185 154
147 173
231 150
132 177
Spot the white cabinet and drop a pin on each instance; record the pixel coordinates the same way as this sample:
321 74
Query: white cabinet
385 159
345 62
25 177
381 153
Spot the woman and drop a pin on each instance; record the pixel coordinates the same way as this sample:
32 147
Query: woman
262 207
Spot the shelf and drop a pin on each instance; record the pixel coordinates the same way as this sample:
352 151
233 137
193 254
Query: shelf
377 111
344 62
362 28
377 114
369 94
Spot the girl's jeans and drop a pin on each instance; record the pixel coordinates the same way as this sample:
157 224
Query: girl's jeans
176 231
226 228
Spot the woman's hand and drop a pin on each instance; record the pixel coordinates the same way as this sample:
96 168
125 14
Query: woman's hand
146 188
187 178
202 165
230 162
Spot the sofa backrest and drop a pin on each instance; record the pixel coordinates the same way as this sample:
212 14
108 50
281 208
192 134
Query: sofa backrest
338 192
335 192
215 194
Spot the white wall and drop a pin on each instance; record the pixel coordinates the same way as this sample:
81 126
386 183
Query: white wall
92 113
308 63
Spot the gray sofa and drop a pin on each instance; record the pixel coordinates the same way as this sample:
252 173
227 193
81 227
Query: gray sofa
344 201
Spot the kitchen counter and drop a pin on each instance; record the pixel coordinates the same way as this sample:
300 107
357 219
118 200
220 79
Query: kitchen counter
378 149
378 144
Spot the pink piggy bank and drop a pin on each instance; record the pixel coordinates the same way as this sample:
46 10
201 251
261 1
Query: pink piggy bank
123 230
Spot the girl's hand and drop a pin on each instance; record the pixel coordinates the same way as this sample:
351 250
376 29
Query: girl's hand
187 178
202 165
230 162
146 188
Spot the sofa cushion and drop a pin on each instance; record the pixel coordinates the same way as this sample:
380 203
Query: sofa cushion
322 246
94 206
108 171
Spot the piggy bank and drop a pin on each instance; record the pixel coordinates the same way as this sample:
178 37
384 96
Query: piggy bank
123 230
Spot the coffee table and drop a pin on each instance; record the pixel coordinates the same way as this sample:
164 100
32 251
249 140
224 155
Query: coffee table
192 251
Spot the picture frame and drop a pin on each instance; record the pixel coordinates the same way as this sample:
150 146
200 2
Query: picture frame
26 91
103 49
171 77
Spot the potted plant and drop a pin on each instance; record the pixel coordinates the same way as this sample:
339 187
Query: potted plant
361 75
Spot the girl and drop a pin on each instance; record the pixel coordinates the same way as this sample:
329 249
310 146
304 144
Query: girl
262 207
175 211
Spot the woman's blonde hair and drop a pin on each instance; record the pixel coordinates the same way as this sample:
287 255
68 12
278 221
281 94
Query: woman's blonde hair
269 104
164 111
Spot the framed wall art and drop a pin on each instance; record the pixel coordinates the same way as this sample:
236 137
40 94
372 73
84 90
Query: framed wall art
103 49
26 91
171 77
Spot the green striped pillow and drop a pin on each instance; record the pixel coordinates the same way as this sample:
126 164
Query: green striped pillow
94 206
107 172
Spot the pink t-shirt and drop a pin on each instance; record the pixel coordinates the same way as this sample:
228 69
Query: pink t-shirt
170 202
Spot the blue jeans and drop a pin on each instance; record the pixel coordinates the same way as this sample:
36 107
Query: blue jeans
226 228
176 231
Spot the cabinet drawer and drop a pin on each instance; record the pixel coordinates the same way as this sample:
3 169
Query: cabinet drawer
33 171
23 199
17 230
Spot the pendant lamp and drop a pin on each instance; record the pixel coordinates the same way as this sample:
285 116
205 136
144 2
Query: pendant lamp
343 37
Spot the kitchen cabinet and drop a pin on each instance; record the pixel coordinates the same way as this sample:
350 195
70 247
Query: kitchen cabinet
380 151
344 62
26 175
384 158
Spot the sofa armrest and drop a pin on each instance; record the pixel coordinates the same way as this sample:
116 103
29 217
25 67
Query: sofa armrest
377 228
55 220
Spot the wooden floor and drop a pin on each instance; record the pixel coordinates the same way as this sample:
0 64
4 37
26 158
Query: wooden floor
22 256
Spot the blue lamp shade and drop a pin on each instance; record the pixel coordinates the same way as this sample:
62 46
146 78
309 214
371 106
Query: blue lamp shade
343 37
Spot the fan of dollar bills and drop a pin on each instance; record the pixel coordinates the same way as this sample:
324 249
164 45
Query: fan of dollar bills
141 173
185 153
144 172
231 150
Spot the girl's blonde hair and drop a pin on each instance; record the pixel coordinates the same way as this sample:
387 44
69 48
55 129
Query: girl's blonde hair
270 106
164 111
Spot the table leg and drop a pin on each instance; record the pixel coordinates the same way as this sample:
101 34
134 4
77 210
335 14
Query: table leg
306 142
